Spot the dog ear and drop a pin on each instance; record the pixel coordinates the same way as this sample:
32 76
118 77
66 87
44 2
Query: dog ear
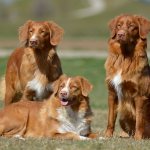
56 33
86 86
57 83
144 26
23 33
112 27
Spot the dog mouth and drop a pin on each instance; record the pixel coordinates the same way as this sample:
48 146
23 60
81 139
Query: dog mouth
33 45
121 39
64 101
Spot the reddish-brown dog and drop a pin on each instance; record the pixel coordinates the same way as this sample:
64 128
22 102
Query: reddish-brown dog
32 68
65 115
128 76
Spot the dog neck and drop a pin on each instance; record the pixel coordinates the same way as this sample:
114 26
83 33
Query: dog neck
128 50
43 59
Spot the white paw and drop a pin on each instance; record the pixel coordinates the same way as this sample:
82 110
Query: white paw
101 138
19 137
83 138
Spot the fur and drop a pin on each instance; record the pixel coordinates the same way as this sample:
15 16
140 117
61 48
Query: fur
128 73
32 68
50 118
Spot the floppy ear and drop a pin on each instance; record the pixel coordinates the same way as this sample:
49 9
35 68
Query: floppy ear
86 86
144 26
112 27
56 33
57 83
23 32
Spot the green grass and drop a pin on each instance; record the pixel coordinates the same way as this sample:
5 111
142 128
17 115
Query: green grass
3 62
93 70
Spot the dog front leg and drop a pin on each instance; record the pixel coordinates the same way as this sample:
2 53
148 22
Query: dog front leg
139 128
112 114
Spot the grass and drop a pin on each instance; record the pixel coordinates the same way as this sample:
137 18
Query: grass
93 70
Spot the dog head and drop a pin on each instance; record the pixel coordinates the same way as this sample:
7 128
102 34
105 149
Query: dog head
70 89
39 35
128 28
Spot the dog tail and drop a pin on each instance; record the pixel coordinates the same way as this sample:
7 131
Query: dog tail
2 88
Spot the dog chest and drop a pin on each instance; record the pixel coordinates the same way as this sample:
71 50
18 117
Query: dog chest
71 121
39 87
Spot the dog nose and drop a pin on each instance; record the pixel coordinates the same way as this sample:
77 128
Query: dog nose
121 33
33 42
63 93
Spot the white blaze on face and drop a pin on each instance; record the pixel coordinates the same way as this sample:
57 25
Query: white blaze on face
66 88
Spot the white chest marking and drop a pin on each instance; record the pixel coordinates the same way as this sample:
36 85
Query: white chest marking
38 87
72 122
116 81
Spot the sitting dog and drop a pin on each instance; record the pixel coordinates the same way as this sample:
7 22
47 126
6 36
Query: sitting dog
65 115
128 76
32 68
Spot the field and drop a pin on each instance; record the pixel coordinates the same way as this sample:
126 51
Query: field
93 70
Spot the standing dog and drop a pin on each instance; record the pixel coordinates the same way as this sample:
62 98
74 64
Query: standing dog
32 69
128 76
65 115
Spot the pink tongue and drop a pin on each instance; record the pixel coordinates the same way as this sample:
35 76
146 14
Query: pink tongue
64 103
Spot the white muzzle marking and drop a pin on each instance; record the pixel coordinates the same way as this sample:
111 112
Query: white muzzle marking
66 88
33 37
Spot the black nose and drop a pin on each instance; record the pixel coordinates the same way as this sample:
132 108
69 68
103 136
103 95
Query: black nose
121 33
63 93
33 42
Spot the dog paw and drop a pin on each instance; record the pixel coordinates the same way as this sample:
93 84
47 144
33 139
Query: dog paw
83 138
19 137
102 138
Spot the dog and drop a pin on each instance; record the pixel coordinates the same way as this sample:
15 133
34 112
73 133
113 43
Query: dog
65 115
128 76
33 68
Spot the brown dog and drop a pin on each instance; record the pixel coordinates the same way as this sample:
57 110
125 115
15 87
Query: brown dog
128 76
32 68
65 115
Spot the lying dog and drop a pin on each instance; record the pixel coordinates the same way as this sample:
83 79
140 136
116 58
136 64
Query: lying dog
65 115
128 76
32 69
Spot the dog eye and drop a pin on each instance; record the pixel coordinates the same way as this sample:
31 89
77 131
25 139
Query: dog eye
30 31
118 26
42 31
131 25
74 87
61 86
